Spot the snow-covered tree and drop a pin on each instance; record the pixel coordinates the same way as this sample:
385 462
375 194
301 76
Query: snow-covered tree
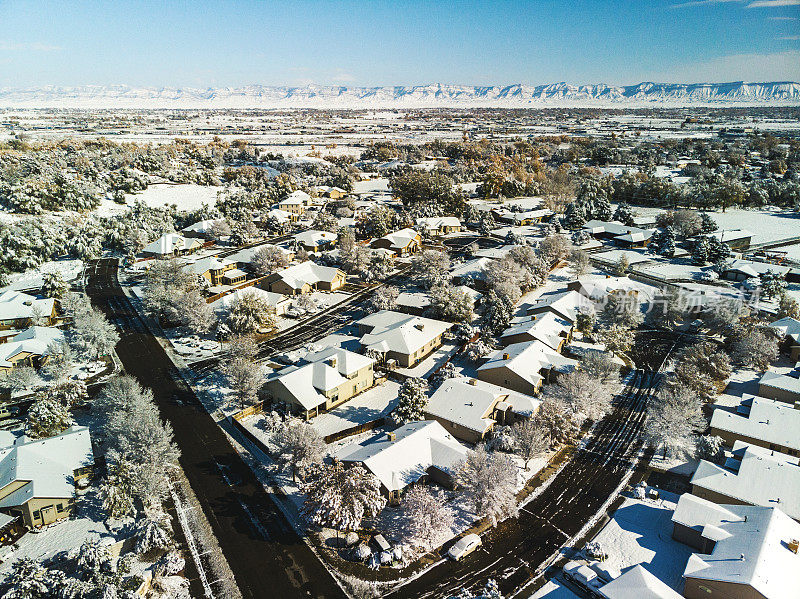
707 224
198 316
788 307
711 448
117 492
530 439
427 518
624 214
536 268
723 316
20 378
477 349
94 557
489 482
46 418
621 309
557 420
497 313
152 536
385 298
242 373
486 224
490 591
616 338
267 260
554 248
448 371
299 447
250 313
91 335
585 321
431 267
60 360
411 401
664 242
69 393
451 303
340 497
772 284
583 394
756 347
674 418
28 579
579 263
703 368
54 285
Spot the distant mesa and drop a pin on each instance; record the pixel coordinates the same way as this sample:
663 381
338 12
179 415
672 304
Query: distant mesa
647 94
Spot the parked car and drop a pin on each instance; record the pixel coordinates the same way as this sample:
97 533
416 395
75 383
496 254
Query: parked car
464 546
8 411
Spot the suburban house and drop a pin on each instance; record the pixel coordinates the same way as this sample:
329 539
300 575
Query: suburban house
620 234
742 551
779 386
216 271
528 217
789 328
405 338
752 476
439 225
417 302
28 348
202 229
742 270
295 203
769 423
414 453
598 289
524 367
469 409
566 304
547 327
305 278
315 241
322 381
280 216
334 193
637 583
736 239
38 476
472 272
171 244
277 302
402 242
244 257
20 310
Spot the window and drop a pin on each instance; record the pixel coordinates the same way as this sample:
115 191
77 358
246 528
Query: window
60 507
37 514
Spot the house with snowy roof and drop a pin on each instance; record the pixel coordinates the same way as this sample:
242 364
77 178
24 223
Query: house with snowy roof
295 203
637 583
277 302
439 225
38 476
171 244
402 242
753 475
736 239
624 235
405 338
742 551
524 367
415 452
566 304
472 273
547 327
769 423
598 289
19 310
216 271
322 381
789 329
29 348
305 278
742 270
469 409
779 386
244 257
315 241
202 229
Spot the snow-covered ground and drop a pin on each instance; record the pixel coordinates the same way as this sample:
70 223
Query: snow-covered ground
371 186
186 197
374 403
32 279
640 532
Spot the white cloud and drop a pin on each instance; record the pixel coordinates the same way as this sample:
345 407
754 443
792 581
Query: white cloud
773 3
702 3
777 66
792 38
9 46
343 77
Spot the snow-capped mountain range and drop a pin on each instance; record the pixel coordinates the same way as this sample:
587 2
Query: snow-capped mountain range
646 94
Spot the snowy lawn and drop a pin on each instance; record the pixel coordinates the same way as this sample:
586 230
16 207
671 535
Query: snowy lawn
374 403
192 347
633 256
186 197
640 532
33 279
679 269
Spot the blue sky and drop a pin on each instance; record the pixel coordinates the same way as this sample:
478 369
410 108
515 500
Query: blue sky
376 42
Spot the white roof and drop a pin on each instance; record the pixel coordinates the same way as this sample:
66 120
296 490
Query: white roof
47 464
730 234
614 227
638 583
202 226
314 238
437 222
467 402
756 476
767 420
417 447
167 244
527 359
205 264
245 256
414 299
788 327
597 288
297 197
548 327
401 333
566 304
400 239
780 381
33 340
755 269
474 269
280 215
16 306
309 273
347 362
226 301
751 546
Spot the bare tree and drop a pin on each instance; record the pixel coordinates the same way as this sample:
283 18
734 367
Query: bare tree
579 263
299 447
674 418
427 517
583 394
530 439
268 259
385 298
557 420
431 267
489 481
756 347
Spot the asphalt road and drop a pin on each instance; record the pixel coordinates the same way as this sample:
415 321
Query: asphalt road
512 553
267 557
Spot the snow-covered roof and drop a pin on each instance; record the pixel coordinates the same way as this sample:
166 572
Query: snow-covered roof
730 234
279 215
597 288
527 359
469 402
297 197
315 238
547 327
404 460
46 464
401 239
472 269
308 273
33 340
245 255
202 226
613 227
566 304
170 242
751 545
755 269
788 327
494 253
347 362
226 301
413 299
437 222
205 264
638 583
780 381
767 420
398 332
15 305
754 475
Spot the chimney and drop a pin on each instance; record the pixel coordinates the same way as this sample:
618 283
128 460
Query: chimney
506 356
473 382
391 437
420 326
793 545
331 362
